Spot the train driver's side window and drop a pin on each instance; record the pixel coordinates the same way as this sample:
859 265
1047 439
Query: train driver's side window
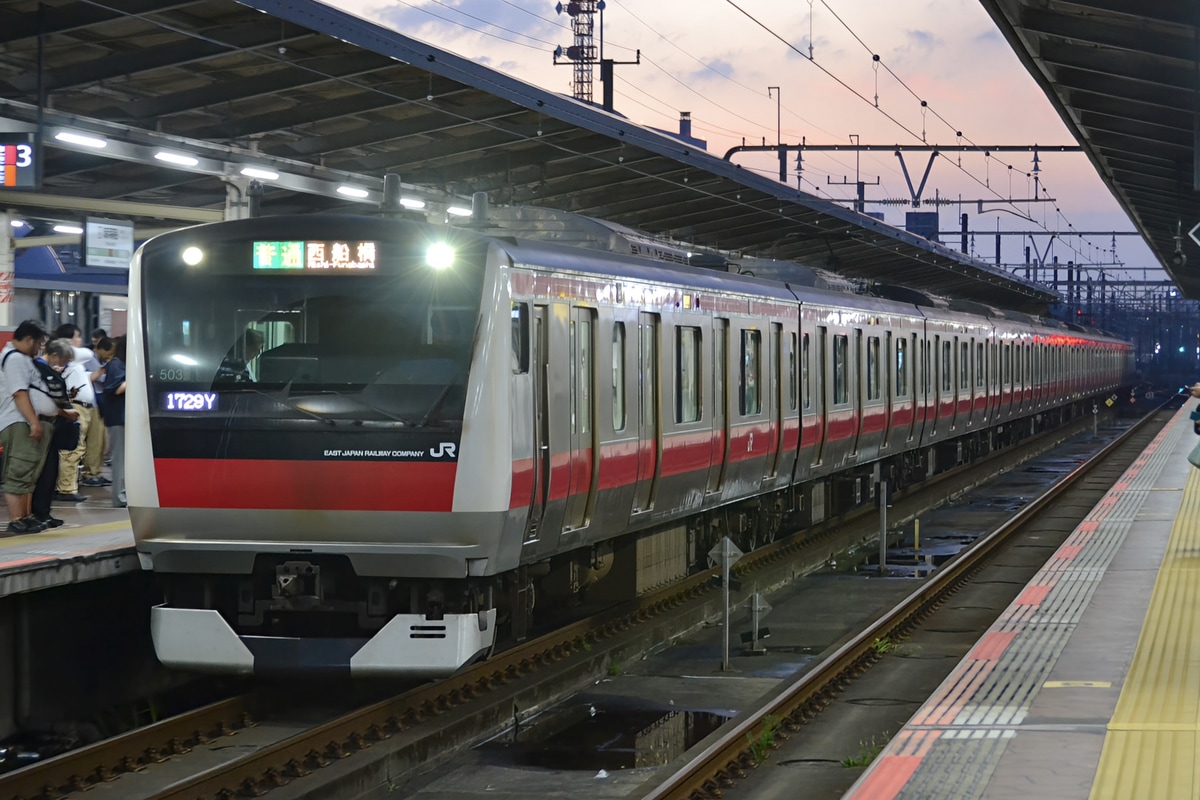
520 338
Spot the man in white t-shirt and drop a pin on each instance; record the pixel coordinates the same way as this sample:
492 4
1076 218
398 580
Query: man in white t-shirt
83 399
24 430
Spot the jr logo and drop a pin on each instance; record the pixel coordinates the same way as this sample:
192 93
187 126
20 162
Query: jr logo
444 449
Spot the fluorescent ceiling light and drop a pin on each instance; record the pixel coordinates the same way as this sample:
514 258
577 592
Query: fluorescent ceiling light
352 191
80 139
176 158
262 174
16 223
458 211
412 202
67 229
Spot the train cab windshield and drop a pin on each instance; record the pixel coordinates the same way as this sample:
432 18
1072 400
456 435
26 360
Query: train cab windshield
364 321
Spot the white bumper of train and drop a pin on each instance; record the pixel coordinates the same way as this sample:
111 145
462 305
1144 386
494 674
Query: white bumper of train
408 646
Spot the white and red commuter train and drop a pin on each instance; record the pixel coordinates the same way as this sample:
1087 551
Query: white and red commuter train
433 432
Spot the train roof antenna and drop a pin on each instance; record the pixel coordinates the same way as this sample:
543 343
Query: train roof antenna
479 208
390 204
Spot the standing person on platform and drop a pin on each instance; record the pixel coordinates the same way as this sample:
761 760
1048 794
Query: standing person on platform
83 399
64 433
24 438
97 434
111 380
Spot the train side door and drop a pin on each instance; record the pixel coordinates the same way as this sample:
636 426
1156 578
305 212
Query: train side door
581 374
720 390
540 371
649 430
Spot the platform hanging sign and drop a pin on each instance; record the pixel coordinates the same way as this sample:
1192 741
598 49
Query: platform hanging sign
18 161
107 243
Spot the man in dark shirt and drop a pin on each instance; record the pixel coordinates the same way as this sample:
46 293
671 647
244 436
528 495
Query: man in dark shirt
110 386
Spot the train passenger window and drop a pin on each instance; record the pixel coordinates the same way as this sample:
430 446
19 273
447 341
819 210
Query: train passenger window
618 376
520 338
1006 364
841 380
901 367
751 372
648 374
873 381
791 362
720 370
980 371
805 384
964 365
687 374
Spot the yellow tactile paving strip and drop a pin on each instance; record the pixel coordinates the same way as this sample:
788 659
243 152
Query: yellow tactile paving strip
1150 750
954 745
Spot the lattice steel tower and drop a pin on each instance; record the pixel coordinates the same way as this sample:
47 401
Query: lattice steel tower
583 52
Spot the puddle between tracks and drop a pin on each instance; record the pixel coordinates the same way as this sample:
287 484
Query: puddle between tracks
603 733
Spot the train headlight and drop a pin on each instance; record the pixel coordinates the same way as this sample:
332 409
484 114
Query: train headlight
439 256
192 256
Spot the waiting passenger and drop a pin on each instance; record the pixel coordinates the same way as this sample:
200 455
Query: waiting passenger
64 433
90 451
22 433
111 381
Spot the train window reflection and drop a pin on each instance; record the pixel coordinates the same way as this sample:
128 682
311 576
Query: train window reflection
687 374
873 368
618 376
841 350
751 371
901 368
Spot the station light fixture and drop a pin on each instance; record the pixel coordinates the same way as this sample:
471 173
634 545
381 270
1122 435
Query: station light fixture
458 211
412 202
176 158
353 191
71 229
81 139
260 173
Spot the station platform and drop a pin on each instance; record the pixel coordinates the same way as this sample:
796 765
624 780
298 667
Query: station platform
96 542
1088 685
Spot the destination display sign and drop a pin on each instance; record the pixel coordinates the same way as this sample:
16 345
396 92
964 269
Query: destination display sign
316 256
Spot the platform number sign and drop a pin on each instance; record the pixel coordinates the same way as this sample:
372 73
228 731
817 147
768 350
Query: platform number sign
18 161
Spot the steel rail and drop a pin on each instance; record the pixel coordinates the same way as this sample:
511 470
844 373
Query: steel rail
729 752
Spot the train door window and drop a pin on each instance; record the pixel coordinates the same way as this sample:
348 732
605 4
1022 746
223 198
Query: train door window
618 376
925 367
805 372
720 369
995 364
947 367
793 400
687 374
648 374
873 376
841 378
980 366
901 367
751 402
581 373
520 338
964 365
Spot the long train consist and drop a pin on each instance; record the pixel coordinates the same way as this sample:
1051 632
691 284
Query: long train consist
431 432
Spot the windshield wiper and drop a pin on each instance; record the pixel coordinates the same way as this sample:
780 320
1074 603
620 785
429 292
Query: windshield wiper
441 398
283 398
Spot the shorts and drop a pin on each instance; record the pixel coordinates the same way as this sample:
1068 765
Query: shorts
23 457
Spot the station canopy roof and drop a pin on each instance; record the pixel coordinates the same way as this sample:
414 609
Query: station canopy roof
325 99
1125 77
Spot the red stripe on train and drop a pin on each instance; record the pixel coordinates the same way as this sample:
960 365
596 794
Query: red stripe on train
328 485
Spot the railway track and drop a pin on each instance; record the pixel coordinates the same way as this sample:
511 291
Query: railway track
403 730
715 765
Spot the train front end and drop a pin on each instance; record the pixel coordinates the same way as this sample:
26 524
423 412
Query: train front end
311 427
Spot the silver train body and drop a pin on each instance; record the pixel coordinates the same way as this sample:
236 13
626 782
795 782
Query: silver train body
434 433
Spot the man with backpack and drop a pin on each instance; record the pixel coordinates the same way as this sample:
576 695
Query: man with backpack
24 431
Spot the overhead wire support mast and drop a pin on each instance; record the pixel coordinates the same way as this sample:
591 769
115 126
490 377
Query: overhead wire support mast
583 53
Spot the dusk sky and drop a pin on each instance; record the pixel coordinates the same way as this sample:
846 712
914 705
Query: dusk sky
716 58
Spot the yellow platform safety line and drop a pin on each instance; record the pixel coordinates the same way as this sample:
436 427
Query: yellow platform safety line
1150 749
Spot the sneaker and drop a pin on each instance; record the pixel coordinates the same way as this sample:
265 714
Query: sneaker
50 522
70 498
96 481
26 525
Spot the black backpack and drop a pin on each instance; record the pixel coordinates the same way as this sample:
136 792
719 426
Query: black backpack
66 432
